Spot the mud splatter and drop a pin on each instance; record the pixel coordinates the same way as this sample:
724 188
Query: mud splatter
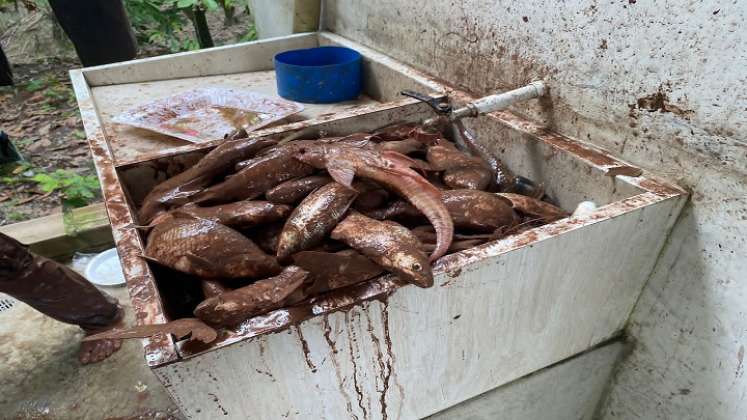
306 352
354 353
336 364
390 373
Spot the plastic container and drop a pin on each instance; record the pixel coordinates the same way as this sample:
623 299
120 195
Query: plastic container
319 75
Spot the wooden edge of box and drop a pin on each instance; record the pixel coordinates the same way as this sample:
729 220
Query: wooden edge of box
47 236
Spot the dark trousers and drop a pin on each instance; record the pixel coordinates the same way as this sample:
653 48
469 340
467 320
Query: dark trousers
6 76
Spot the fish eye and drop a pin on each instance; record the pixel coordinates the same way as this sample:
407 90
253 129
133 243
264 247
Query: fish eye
302 151
417 267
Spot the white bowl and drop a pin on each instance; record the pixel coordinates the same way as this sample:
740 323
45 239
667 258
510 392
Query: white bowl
105 270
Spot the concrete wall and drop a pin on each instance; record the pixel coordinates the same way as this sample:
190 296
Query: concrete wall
660 83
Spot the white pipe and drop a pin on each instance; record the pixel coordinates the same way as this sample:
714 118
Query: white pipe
500 101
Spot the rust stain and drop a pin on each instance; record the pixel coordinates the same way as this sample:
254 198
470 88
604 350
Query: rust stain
354 354
305 347
377 346
658 101
660 188
391 372
336 364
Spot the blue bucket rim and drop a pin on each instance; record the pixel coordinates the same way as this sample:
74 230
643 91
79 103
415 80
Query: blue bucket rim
356 57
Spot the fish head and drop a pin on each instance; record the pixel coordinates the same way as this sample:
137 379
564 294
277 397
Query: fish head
312 154
415 267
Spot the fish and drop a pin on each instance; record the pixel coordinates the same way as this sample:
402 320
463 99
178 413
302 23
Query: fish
473 178
469 209
293 191
389 245
180 328
314 218
207 249
267 237
390 169
503 178
395 132
329 271
479 210
534 207
241 214
212 288
406 146
460 170
371 195
258 176
180 187
231 308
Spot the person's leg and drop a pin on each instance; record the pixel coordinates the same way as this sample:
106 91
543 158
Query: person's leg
59 292
6 75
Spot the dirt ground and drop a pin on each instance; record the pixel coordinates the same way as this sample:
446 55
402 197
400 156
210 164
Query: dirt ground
40 113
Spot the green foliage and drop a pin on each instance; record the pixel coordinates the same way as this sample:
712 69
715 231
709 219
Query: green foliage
250 35
158 23
162 22
35 85
76 189
204 4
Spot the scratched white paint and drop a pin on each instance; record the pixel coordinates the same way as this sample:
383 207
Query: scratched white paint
599 59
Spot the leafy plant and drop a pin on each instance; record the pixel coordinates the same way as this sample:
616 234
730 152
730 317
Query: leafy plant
157 22
250 35
77 190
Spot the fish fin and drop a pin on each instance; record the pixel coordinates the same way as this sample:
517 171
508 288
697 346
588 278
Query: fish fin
342 174
151 259
199 261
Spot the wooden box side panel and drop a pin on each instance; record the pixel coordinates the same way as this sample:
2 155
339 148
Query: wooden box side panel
229 59
423 350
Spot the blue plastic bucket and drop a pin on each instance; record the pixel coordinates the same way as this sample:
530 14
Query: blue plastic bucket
319 75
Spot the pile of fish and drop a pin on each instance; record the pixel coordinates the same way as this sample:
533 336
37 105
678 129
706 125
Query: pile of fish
267 224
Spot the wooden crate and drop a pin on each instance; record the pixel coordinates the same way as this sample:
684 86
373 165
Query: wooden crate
382 350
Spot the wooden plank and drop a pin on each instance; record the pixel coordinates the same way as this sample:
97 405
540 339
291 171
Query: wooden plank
229 59
511 310
88 229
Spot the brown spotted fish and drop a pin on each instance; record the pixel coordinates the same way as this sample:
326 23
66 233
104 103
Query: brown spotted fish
241 214
503 178
231 308
258 176
179 188
314 218
469 209
460 170
207 249
293 191
335 270
388 244
479 210
390 169
534 207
